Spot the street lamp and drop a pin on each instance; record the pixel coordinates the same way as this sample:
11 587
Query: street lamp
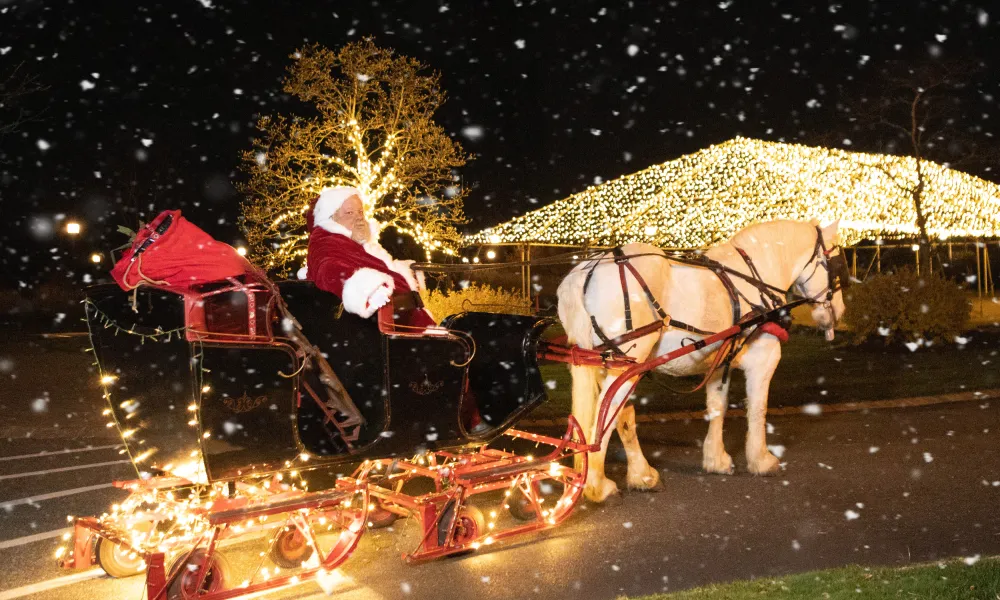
73 228
491 254
96 258
241 251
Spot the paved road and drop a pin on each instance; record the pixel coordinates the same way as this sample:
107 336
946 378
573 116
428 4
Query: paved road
927 492
887 487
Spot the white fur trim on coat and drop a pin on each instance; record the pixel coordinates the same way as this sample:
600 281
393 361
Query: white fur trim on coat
360 286
333 227
402 267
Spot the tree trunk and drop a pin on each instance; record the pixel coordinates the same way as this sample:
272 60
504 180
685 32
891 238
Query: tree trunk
924 241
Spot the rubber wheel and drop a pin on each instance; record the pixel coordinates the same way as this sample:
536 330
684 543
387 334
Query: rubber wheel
469 525
183 585
290 549
520 507
118 561
379 517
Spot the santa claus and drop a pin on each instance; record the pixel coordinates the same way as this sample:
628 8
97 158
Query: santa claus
345 259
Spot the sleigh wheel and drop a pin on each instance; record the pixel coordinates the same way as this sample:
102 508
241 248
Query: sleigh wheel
188 571
469 524
290 549
379 517
520 506
118 560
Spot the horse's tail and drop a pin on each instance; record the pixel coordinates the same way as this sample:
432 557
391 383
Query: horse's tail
576 322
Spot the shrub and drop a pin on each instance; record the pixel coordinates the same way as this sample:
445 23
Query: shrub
905 307
475 297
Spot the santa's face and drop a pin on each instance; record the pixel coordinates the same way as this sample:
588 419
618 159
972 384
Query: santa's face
351 215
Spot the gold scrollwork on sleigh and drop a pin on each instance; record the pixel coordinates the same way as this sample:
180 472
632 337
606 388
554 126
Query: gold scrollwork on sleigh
244 403
425 387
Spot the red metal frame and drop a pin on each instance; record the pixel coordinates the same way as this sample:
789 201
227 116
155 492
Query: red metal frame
459 477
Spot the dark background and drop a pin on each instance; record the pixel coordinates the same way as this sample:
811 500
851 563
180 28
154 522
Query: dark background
566 94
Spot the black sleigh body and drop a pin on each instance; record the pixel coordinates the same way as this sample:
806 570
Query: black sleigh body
220 384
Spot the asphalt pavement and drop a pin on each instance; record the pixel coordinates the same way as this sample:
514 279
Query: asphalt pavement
885 487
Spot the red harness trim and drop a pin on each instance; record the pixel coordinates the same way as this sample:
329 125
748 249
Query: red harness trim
776 330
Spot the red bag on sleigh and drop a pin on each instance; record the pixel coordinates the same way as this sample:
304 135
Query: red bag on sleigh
174 253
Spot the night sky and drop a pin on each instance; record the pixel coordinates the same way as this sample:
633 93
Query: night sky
149 104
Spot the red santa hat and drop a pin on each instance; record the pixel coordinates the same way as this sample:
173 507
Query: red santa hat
329 202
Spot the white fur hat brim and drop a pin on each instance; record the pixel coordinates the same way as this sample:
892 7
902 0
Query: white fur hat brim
329 202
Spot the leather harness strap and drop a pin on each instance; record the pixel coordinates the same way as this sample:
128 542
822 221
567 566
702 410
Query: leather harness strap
613 345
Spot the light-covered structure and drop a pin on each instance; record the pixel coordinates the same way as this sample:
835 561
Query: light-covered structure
703 198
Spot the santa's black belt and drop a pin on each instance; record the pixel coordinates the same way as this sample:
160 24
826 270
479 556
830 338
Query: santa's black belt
407 301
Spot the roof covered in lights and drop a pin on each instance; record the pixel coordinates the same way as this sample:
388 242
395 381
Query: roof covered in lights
703 198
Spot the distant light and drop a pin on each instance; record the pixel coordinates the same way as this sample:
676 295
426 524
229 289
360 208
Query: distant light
241 251
475 259
915 247
96 258
491 254
465 259
108 379
73 228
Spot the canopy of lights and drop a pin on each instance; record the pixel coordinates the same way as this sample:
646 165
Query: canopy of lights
704 198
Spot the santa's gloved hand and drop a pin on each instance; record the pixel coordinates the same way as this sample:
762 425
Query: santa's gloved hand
379 297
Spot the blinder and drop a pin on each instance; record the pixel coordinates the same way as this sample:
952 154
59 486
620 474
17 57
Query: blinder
838 272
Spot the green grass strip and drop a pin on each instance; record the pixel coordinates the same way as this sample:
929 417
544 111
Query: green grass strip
935 581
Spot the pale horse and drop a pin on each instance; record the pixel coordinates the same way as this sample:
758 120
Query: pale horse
787 254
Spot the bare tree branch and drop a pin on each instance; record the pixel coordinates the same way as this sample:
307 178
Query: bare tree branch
13 89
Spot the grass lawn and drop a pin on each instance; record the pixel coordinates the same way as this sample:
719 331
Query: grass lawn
938 581
813 370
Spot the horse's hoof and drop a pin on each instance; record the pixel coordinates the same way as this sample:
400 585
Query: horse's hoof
722 465
650 482
601 491
766 466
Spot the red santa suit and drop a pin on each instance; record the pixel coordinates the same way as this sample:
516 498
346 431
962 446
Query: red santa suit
363 276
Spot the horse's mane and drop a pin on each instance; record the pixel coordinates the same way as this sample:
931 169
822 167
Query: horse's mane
750 234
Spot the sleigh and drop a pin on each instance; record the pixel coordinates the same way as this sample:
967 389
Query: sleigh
261 416
226 414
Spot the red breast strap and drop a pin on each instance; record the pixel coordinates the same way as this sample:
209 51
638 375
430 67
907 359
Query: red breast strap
776 330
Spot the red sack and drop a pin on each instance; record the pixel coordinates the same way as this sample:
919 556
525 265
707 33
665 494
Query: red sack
173 253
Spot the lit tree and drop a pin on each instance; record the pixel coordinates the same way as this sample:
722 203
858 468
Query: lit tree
919 115
375 131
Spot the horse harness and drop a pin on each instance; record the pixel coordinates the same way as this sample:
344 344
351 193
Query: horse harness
771 297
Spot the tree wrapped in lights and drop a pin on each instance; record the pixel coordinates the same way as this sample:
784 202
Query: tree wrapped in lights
374 130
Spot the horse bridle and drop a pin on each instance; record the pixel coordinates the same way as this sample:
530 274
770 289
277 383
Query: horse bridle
838 276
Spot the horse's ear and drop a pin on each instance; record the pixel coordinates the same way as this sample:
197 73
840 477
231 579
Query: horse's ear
830 231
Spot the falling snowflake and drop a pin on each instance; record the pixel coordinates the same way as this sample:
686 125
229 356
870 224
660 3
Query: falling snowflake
519 44
473 132
812 409
632 50
86 85
850 515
